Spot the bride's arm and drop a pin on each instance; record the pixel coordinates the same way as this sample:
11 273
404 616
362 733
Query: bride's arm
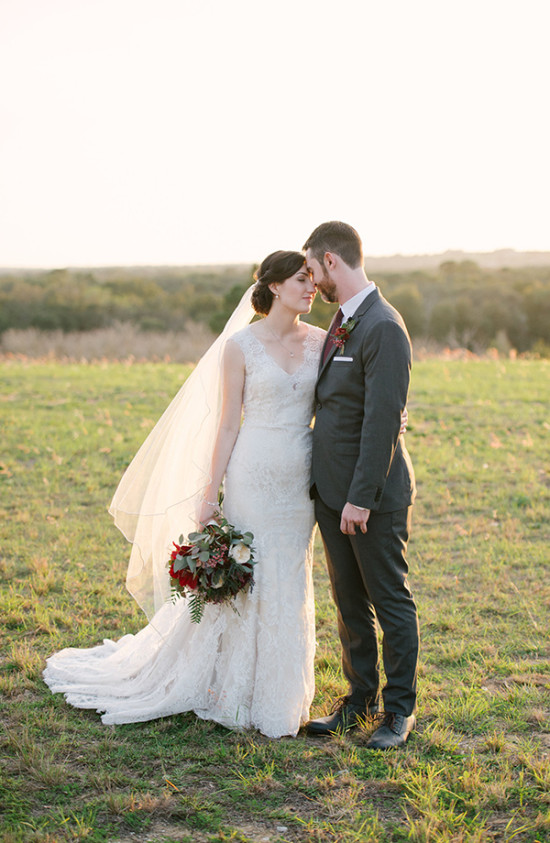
230 422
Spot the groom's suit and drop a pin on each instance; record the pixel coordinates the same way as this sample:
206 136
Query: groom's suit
360 457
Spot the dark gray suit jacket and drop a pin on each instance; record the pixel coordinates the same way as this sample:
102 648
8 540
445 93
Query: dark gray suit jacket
358 454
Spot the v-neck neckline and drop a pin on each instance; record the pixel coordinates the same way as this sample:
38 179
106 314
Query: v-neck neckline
264 347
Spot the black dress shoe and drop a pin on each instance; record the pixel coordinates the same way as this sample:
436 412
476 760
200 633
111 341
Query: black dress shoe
343 717
394 731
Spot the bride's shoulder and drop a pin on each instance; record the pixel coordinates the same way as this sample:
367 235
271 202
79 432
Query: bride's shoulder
238 335
315 329
243 337
315 333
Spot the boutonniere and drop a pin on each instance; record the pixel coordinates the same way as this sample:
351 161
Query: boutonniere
341 335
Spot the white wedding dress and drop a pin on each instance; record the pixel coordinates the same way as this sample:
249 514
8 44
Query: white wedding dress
254 668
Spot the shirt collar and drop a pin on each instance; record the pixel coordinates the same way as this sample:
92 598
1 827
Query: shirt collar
349 307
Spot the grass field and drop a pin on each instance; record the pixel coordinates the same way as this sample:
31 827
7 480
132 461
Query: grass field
477 769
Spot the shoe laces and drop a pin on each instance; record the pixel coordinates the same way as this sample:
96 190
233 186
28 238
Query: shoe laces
340 703
386 718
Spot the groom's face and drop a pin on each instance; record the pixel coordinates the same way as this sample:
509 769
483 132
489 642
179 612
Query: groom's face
320 277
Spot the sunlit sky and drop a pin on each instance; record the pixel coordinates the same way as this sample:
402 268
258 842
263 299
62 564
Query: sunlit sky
209 131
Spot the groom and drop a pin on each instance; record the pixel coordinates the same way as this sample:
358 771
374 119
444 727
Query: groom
363 486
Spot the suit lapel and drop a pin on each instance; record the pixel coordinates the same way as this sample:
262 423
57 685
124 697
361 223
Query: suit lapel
357 316
331 351
366 304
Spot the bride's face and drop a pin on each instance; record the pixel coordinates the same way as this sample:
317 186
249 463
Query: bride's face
297 292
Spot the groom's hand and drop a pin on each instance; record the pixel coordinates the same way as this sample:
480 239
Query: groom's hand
352 517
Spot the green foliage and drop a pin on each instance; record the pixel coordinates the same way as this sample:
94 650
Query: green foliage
464 305
218 317
537 310
196 608
81 301
408 301
460 304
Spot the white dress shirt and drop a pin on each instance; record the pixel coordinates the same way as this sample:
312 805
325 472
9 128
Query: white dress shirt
350 306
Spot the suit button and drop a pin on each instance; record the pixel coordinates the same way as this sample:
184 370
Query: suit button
319 405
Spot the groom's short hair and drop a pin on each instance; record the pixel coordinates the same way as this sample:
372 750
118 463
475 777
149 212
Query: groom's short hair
337 237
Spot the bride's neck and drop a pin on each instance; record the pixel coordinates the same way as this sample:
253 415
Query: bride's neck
282 322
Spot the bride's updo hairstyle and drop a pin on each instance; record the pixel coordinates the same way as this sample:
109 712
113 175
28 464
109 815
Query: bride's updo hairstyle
274 269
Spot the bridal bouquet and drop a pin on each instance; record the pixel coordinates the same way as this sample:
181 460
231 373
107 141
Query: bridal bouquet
213 567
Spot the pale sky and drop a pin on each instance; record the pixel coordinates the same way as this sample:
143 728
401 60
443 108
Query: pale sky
209 131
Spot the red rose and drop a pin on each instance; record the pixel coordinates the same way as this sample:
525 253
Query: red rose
187 579
181 550
340 337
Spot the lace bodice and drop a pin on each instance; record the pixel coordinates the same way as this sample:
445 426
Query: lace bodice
272 397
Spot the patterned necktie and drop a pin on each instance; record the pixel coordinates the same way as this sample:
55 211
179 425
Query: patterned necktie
337 321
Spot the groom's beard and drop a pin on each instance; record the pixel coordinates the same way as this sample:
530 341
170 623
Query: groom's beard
327 289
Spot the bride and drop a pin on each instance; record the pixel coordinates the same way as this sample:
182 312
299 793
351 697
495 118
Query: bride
248 669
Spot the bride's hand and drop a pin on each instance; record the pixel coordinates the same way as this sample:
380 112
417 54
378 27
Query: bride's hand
404 420
207 513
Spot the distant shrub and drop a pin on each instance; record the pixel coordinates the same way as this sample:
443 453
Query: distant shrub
408 301
460 303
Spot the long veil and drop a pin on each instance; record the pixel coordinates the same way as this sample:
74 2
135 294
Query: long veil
158 495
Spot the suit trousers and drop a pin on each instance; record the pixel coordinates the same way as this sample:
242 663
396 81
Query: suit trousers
368 573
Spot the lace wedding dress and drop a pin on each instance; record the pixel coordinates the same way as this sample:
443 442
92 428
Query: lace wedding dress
254 668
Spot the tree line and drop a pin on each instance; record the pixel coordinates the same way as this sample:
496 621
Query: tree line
459 303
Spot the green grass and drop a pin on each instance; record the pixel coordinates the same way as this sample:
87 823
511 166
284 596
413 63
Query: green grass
478 766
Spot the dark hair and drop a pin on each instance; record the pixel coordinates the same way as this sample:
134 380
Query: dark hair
276 268
338 237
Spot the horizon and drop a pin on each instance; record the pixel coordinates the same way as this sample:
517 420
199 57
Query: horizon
218 264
